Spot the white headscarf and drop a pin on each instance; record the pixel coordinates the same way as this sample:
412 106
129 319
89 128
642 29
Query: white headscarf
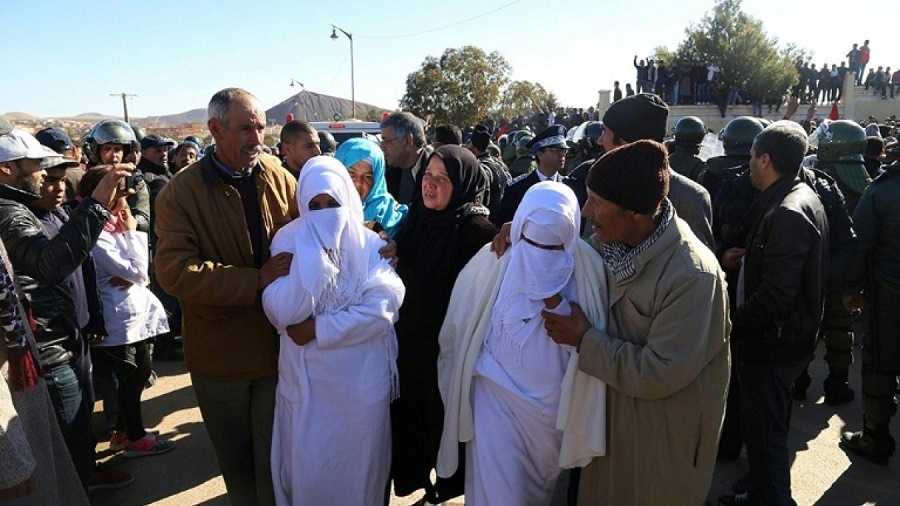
331 241
548 215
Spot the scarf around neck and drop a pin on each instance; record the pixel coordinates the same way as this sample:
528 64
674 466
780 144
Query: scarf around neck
620 257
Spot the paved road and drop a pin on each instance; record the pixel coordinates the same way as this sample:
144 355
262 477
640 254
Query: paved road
822 474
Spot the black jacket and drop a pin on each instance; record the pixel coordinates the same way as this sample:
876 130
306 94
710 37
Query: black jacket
498 177
43 265
515 192
785 274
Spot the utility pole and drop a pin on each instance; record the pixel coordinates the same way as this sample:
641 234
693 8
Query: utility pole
125 97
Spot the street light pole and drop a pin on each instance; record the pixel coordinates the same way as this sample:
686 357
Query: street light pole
352 77
299 101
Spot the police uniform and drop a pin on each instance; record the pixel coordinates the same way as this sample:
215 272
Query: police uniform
552 136
877 222
684 161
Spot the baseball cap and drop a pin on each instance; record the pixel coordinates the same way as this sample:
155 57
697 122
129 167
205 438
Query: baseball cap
55 139
19 144
155 141
58 161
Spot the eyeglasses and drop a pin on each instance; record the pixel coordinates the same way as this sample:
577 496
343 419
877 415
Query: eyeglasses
384 141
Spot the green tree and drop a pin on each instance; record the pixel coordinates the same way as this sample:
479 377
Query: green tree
748 57
459 87
525 97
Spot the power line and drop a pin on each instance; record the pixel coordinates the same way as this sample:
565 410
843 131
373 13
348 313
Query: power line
473 18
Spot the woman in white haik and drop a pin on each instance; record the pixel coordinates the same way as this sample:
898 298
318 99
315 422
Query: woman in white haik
517 380
334 313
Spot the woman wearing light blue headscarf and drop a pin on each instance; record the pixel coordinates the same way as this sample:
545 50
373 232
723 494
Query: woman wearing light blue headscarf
365 161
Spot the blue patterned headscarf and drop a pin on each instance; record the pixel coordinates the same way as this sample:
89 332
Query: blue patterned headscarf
379 205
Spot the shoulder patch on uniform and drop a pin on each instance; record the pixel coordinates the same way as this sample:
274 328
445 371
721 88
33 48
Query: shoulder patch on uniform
518 178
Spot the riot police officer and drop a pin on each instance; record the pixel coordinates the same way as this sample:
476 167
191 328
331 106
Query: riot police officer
327 143
876 222
111 141
594 150
737 139
523 162
841 145
684 157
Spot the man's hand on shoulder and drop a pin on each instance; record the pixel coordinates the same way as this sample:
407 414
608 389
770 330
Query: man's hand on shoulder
389 250
502 240
274 268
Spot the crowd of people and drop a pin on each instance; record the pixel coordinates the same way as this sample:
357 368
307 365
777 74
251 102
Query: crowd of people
477 313
701 82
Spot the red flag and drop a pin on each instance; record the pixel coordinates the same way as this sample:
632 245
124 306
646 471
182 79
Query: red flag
289 117
834 116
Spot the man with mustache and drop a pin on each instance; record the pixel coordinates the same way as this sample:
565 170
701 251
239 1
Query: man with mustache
214 222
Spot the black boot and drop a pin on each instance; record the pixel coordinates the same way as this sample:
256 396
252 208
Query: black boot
874 446
837 391
801 384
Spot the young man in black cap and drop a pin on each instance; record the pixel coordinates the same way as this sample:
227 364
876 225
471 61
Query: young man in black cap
666 343
644 116
59 141
549 147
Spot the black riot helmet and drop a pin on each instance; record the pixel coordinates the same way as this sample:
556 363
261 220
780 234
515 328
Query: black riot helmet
690 131
737 138
196 140
592 133
327 144
842 141
110 131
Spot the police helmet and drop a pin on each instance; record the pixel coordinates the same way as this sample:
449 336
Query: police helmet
139 133
326 142
522 148
196 140
690 130
502 140
592 132
737 138
110 131
842 140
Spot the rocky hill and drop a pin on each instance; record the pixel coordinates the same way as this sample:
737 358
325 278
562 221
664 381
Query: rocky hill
304 105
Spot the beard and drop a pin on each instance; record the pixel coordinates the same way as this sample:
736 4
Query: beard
27 184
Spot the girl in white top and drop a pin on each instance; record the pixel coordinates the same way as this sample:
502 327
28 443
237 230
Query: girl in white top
334 313
132 316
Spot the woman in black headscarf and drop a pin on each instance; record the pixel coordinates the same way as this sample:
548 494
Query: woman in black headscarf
446 226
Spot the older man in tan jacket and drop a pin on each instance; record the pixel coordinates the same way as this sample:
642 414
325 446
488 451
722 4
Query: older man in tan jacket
665 356
215 221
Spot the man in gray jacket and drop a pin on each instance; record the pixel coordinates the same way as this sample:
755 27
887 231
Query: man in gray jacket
644 116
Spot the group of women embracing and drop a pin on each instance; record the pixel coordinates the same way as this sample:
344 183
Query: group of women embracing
441 363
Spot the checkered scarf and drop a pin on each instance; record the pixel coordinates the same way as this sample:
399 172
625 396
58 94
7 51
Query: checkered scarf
619 256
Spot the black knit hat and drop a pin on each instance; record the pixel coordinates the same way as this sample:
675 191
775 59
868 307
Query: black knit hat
634 176
641 116
481 139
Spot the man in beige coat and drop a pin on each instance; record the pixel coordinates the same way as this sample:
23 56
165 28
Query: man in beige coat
665 356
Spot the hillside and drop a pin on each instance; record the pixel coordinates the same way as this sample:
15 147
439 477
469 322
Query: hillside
304 105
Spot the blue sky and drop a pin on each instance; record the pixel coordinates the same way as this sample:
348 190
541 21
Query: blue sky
63 58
